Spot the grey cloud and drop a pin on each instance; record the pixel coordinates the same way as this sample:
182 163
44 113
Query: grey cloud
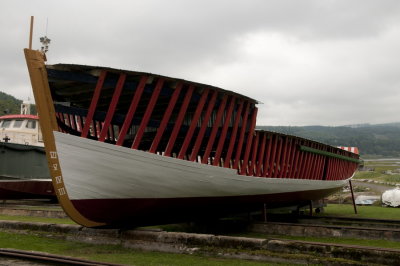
318 61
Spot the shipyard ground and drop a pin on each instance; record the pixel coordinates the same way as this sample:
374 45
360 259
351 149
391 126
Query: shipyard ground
245 243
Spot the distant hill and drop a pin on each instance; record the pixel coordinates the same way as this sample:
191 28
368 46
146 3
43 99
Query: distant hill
9 104
372 140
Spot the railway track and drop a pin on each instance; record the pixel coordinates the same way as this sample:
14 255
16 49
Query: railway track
267 248
362 222
334 220
39 258
359 228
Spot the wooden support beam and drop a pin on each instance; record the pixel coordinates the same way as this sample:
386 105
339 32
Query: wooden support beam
253 152
167 115
204 126
131 111
249 140
232 141
261 154
241 136
272 159
193 124
93 103
179 120
214 130
266 166
147 114
276 165
224 131
112 107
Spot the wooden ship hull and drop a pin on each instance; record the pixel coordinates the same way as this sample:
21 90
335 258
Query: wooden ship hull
130 148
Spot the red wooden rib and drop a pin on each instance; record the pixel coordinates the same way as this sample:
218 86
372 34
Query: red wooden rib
98 128
147 114
72 122
79 124
233 135
222 137
131 110
206 118
298 160
61 117
254 150
193 124
283 159
167 115
241 137
214 130
288 161
321 164
267 156
334 171
111 133
309 172
261 154
317 163
68 122
179 120
328 166
249 140
276 165
291 165
113 105
272 159
303 163
93 104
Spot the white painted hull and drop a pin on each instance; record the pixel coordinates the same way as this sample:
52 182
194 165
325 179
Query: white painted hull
96 170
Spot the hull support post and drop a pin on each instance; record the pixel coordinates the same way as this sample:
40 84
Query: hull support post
265 213
352 197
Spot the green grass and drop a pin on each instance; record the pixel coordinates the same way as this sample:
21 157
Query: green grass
367 175
373 212
379 171
37 219
110 253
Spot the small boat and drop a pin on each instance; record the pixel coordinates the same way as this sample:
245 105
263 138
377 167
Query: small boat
24 173
129 148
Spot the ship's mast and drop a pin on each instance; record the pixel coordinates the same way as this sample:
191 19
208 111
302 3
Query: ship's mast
31 34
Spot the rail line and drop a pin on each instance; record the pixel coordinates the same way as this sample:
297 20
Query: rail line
336 227
49 258
334 220
181 242
364 222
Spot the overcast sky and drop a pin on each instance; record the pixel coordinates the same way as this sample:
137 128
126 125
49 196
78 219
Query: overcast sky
308 62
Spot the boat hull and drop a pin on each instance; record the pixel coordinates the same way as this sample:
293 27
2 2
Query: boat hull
27 189
134 212
120 180
24 173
